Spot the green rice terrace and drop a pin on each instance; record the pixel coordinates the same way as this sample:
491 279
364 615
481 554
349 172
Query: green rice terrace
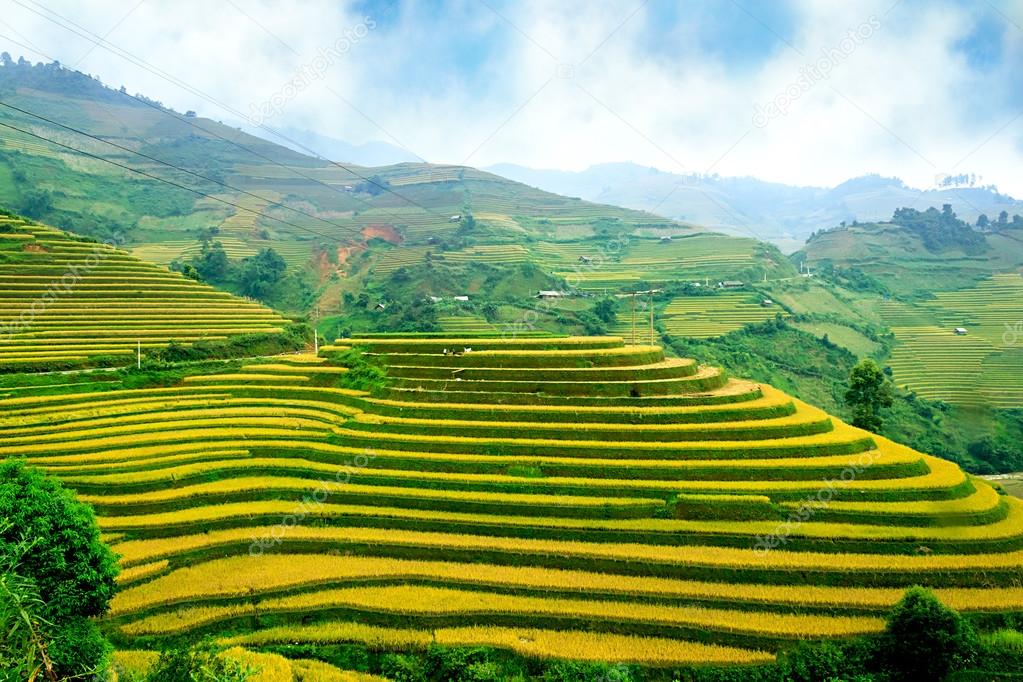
569 497
68 301
982 365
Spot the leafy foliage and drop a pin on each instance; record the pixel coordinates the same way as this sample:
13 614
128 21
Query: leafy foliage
924 639
202 662
71 569
940 230
23 650
869 392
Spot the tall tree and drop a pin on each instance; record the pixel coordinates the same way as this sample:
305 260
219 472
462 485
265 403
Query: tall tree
869 392
69 566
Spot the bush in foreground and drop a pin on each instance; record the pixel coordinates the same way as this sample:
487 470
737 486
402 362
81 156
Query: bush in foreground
50 551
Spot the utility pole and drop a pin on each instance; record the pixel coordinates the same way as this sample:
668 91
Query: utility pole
651 318
138 355
633 318
316 329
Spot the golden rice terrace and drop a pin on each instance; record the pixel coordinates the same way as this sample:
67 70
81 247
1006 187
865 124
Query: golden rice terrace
557 497
66 301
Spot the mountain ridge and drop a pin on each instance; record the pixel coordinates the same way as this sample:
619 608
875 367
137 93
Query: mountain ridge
785 215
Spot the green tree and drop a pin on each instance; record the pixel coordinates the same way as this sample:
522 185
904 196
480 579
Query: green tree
261 272
212 264
869 392
71 569
607 310
202 662
924 640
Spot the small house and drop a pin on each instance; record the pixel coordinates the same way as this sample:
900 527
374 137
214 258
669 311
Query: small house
767 302
960 331
436 299
455 218
730 284
550 294
380 306
460 298
665 239
585 259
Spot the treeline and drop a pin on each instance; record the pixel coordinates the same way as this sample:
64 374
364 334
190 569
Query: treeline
264 276
55 77
940 230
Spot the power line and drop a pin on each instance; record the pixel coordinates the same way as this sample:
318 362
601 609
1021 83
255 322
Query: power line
180 119
171 165
156 71
164 180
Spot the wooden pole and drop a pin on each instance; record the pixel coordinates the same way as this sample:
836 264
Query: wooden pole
651 319
633 318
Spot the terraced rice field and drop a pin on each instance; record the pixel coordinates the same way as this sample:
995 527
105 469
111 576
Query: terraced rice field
265 667
465 325
981 368
704 317
497 253
400 257
66 301
616 265
557 497
295 253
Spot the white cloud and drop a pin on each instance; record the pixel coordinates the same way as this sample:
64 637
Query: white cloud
904 102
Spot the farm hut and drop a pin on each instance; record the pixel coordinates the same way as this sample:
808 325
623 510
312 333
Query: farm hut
960 331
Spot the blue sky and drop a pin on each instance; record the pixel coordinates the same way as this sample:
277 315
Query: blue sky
719 86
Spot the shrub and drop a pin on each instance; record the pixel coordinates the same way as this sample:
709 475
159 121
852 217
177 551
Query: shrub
202 662
403 668
925 640
73 570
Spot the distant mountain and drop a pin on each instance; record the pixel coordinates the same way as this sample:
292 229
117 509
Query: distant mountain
372 153
782 214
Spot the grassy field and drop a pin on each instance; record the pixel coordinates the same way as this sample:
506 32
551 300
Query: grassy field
558 497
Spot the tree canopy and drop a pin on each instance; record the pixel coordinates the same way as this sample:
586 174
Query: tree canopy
67 571
869 392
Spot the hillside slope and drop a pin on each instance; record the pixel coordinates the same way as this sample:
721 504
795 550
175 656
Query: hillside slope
560 497
70 302
342 227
